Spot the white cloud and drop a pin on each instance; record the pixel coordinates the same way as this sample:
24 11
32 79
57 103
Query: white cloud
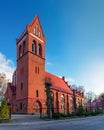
49 63
6 66
92 76
70 80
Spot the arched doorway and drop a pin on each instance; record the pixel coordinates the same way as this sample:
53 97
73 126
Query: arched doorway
38 107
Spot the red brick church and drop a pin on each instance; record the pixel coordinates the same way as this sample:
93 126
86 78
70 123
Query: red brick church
27 92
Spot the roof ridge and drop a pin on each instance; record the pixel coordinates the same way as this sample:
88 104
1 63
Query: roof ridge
53 75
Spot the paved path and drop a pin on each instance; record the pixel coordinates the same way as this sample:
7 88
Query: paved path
25 118
90 123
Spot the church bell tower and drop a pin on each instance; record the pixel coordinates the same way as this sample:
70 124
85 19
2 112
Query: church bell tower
30 91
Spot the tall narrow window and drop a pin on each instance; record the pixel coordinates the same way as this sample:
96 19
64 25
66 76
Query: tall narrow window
39 50
37 93
21 86
39 34
35 69
81 101
37 29
20 106
34 30
57 102
38 70
34 47
20 51
62 101
24 47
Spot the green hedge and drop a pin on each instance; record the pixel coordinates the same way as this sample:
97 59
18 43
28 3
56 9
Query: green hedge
80 113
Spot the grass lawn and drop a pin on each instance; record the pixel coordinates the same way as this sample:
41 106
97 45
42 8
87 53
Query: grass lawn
5 120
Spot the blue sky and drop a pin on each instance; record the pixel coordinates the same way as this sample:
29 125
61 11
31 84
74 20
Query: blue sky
74 31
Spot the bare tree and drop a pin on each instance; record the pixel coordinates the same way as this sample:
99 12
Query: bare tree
3 85
89 97
102 100
74 86
81 88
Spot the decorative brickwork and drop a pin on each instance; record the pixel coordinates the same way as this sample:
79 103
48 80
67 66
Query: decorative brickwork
30 76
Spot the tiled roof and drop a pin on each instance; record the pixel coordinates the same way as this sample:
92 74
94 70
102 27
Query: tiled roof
58 83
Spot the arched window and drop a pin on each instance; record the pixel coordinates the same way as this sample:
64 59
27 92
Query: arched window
57 102
62 102
39 50
20 51
24 47
62 98
34 47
